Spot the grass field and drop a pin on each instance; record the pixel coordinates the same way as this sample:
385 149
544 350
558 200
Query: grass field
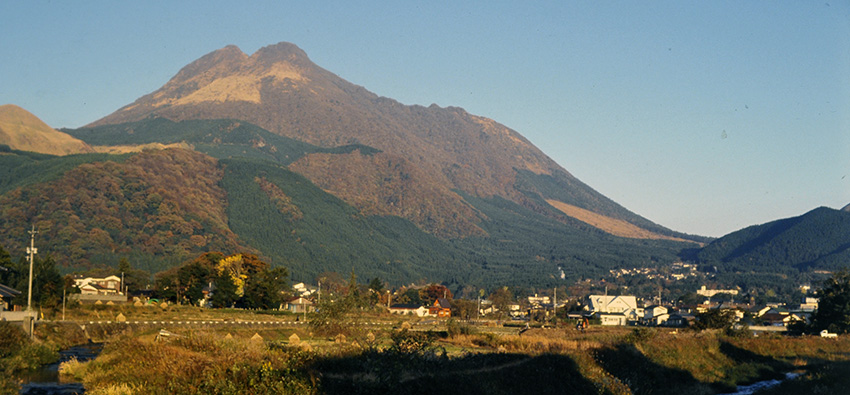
425 356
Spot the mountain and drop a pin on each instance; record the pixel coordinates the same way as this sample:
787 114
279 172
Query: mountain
272 155
817 240
432 150
846 208
21 130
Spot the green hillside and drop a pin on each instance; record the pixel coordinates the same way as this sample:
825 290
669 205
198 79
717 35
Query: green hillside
817 240
325 234
526 248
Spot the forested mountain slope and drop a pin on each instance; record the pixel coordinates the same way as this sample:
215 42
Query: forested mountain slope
817 240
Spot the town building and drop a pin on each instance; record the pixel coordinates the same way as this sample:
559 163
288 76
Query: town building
6 295
655 315
303 290
809 304
103 290
409 309
99 286
711 292
614 310
441 308
299 305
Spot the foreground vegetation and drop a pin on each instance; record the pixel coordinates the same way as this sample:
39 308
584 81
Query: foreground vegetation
428 357
20 354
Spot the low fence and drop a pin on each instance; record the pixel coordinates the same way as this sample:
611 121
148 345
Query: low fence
89 299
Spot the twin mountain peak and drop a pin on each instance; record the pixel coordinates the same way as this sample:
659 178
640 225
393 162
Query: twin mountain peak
435 167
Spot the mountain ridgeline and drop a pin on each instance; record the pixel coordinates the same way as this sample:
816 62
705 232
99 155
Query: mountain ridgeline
272 155
817 240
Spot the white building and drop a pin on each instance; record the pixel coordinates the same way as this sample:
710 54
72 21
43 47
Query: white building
538 300
99 286
655 315
302 289
711 292
409 309
809 304
614 310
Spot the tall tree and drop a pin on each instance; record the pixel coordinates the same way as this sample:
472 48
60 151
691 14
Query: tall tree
191 280
502 299
833 311
264 290
46 282
6 268
433 292
224 294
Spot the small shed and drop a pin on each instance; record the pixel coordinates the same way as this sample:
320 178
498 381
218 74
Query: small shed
6 295
299 305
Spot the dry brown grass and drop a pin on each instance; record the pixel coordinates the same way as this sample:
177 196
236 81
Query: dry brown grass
73 368
616 227
22 130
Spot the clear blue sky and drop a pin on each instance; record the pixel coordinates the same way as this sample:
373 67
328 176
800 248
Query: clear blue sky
704 116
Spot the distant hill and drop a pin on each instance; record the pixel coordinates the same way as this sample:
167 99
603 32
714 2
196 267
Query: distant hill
846 208
21 130
817 240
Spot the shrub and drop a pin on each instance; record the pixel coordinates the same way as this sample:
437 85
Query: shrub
743 332
455 328
640 334
12 338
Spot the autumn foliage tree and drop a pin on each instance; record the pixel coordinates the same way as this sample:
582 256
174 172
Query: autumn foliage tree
241 280
433 292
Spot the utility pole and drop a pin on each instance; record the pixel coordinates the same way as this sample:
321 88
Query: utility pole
555 308
31 251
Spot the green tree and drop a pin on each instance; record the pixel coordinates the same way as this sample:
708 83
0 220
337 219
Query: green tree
376 285
224 294
191 280
833 311
7 273
691 299
264 289
376 291
502 299
47 283
353 294
134 279
715 319
464 308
